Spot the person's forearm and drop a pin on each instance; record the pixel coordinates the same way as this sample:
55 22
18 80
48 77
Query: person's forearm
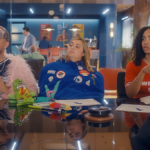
28 49
4 89
135 85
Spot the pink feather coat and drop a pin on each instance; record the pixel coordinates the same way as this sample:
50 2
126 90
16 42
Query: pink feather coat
18 68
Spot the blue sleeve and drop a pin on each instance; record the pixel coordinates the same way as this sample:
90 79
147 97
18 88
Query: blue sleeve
42 92
40 45
45 114
99 82
48 45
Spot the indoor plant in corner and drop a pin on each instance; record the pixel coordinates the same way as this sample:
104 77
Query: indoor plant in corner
126 55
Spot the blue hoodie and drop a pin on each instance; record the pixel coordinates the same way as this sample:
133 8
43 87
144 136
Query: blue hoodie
73 81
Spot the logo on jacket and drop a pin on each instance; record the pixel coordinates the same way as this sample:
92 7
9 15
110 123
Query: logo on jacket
93 80
50 79
78 79
80 68
88 83
51 71
84 72
94 75
60 74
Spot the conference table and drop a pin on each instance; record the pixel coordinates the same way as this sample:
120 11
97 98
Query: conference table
41 130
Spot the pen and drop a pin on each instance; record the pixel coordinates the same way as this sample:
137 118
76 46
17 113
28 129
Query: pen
42 108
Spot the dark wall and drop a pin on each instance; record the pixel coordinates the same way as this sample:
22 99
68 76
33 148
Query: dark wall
119 40
107 43
3 18
102 42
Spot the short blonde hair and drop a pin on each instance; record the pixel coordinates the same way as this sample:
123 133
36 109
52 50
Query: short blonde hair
85 58
33 48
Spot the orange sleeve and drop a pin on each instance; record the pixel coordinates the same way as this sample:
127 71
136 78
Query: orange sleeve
129 120
130 73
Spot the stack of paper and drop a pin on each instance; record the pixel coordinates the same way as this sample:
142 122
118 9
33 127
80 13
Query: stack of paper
145 100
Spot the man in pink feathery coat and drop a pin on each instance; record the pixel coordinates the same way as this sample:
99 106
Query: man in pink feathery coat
12 68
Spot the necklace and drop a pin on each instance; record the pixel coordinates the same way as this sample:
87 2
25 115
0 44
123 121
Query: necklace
146 61
3 65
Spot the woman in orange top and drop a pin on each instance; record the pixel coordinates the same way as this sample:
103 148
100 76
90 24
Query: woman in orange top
137 78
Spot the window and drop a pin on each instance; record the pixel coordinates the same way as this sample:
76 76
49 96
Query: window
16 36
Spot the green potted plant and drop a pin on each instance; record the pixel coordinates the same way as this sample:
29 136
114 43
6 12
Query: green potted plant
126 55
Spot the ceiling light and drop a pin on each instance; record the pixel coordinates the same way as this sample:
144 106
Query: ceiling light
79 145
68 10
125 18
49 28
55 17
105 11
105 101
31 11
75 28
111 34
13 146
51 12
111 25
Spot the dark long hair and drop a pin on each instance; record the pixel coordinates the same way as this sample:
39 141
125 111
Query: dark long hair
137 50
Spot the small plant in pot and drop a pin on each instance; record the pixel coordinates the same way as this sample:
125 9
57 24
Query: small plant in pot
126 55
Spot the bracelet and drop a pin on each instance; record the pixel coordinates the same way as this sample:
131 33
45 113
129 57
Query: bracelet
137 81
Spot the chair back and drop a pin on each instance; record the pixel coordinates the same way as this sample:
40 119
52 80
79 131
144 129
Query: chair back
45 52
94 63
110 77
46 59
36 66
54 54
121 92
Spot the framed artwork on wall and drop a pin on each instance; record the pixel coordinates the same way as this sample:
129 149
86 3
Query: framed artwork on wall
79 33
62 33
46 33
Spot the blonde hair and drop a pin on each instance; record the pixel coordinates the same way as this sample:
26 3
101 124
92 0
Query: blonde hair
85 129
85 58
33 48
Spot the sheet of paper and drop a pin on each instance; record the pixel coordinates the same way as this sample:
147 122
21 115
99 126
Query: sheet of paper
18 48
79 102
133 108
75 102
145 100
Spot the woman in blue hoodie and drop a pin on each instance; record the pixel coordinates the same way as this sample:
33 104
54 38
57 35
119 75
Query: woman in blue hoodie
72 77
